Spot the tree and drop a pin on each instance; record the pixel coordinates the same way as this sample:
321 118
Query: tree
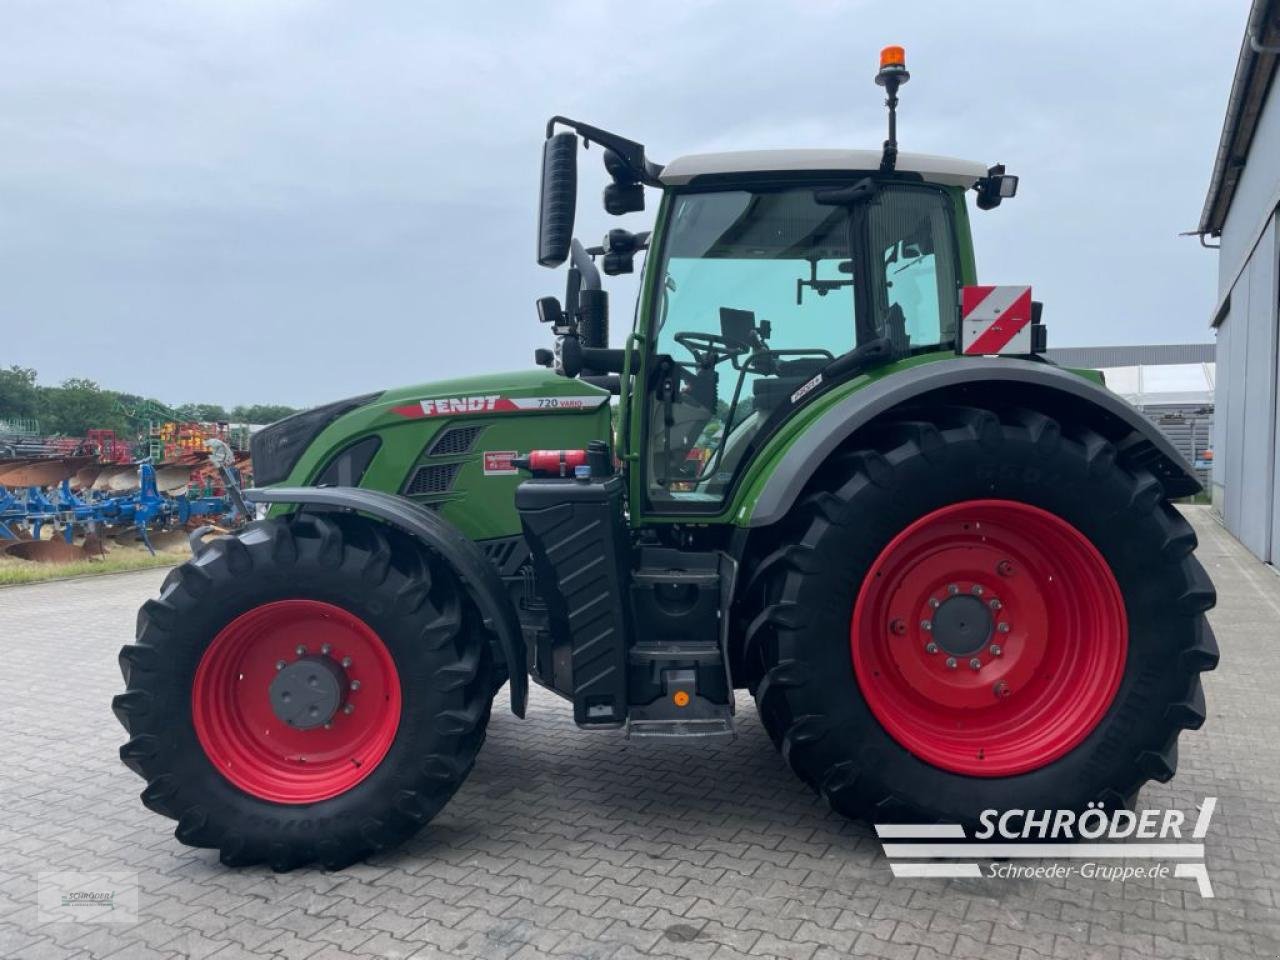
18 395
77 406
261 413
80 404
204 412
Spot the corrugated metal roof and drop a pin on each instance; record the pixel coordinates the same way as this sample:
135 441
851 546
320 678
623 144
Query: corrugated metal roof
1151 354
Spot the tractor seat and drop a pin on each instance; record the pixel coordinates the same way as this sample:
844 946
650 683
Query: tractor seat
768 393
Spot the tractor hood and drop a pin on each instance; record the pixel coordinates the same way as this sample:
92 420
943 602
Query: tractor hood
377 439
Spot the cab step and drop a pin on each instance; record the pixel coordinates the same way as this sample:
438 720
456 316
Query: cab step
676 653
667 729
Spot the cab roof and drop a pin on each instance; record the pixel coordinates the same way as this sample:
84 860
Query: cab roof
934 169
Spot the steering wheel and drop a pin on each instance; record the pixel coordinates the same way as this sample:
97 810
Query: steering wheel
709 349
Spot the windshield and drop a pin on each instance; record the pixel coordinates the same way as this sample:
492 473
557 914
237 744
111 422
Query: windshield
759 290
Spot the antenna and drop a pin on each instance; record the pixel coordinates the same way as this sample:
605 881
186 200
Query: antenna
893 74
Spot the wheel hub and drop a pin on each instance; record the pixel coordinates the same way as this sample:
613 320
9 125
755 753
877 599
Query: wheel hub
296 701
962 625
308 692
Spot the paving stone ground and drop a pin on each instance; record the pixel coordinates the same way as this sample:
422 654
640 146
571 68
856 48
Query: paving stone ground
571 844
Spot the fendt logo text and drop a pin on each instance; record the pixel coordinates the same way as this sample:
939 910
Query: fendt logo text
447 405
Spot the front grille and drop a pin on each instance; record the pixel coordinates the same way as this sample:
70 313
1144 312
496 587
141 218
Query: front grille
455 440
437 478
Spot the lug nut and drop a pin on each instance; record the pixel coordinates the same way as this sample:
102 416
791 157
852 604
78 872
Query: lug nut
349 709
898 627
355 684
952 589
975 663
346 661
926 625
1001 689
951 663
325 648
935 602
328 725
930 647
279 664
300 650
1004 568
994 604
996 650
977 590
1002 627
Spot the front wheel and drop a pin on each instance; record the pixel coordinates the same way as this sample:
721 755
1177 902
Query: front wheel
978 610
312 689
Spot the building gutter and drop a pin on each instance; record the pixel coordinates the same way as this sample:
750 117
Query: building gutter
1255 70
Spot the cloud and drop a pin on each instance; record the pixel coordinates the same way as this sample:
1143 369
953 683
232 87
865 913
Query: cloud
292 201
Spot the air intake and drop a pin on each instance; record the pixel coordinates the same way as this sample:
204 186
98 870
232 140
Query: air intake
437 478
455 440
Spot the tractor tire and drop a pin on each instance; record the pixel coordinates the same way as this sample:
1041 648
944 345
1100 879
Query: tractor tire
368 639
980 609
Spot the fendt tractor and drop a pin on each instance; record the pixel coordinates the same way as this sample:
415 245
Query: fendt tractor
826 467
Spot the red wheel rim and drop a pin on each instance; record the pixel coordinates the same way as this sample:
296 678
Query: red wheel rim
261 753
989 638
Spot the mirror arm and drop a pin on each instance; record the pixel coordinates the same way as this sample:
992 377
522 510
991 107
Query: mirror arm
580 258
640 242
630 152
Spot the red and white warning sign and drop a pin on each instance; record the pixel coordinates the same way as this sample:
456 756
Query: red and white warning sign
995 320
499 463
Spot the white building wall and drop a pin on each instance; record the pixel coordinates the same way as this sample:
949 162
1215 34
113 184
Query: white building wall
1246 489
1258 490
1247 452
1274 556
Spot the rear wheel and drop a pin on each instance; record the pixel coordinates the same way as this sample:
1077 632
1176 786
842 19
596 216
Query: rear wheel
981 609
313 689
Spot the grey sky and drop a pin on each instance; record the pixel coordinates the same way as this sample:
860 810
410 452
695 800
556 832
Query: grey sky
255 201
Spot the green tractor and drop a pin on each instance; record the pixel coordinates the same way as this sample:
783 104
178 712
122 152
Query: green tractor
827 467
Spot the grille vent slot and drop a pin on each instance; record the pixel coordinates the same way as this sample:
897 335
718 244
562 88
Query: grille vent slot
508 554
455 440
436 478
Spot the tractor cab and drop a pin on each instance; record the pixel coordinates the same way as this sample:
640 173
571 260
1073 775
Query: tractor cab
763 282
772 277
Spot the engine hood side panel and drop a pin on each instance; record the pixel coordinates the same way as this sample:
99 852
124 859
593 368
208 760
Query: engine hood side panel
447 445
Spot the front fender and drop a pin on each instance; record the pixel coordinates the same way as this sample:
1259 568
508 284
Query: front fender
473 568
1038 385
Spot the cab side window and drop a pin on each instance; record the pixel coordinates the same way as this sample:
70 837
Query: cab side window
915 280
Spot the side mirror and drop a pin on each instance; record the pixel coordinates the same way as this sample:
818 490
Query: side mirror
559 198
995 187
